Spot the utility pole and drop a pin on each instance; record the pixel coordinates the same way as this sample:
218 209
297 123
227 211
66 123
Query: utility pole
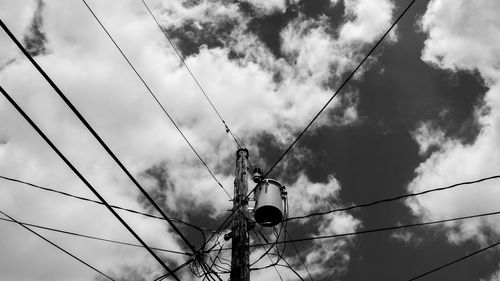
240 264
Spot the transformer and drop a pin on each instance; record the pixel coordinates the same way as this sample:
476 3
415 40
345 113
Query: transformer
269 202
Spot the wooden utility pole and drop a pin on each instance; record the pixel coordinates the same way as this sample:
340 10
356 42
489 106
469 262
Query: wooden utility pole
240 265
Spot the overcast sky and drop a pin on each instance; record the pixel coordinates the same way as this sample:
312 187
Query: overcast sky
423 112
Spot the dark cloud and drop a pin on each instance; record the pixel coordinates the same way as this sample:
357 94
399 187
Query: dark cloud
192 35
35 39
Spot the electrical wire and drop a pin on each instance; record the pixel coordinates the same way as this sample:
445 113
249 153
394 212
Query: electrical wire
226 127
382 229
159 278
274 265
201 229
277 235
96 136
231 216
455 261
280 257
396 198
340 88
209 271
57 246
293 270
91 237
82 178
225 223
298 254
155 98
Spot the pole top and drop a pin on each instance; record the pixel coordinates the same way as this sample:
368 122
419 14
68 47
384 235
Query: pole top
242 151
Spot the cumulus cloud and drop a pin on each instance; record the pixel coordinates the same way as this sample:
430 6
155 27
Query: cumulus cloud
454 46
85 65
428 137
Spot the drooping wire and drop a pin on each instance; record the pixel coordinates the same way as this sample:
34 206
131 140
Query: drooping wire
205 271
382 229
455 261
293 270
298 254
396 198
226 127
82 178
340 88
209 272
91 237
274 265
201 229
217 257
96 136
57 246
280 257
156 99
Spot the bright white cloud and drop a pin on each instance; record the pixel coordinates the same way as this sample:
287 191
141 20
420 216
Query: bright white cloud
428 137
369 20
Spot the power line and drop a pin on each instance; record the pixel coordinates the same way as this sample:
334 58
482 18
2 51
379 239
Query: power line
455 261
57 246
175 270
94 133
226 127
382 229
280 257
394 198
340 88
201 229
268 255
73 168
298 254
92 237
155 98
293 270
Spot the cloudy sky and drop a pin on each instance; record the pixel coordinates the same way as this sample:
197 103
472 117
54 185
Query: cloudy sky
423 112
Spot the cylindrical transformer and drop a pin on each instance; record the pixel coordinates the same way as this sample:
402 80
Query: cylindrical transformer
269 203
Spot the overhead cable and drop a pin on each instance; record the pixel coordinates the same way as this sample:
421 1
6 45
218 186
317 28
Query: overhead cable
201 229
268 255
395 198
57 246
455 261
155 98
93 237
226 127
164 276
382 229
280 257
82 178
298 254
340 88
96 136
